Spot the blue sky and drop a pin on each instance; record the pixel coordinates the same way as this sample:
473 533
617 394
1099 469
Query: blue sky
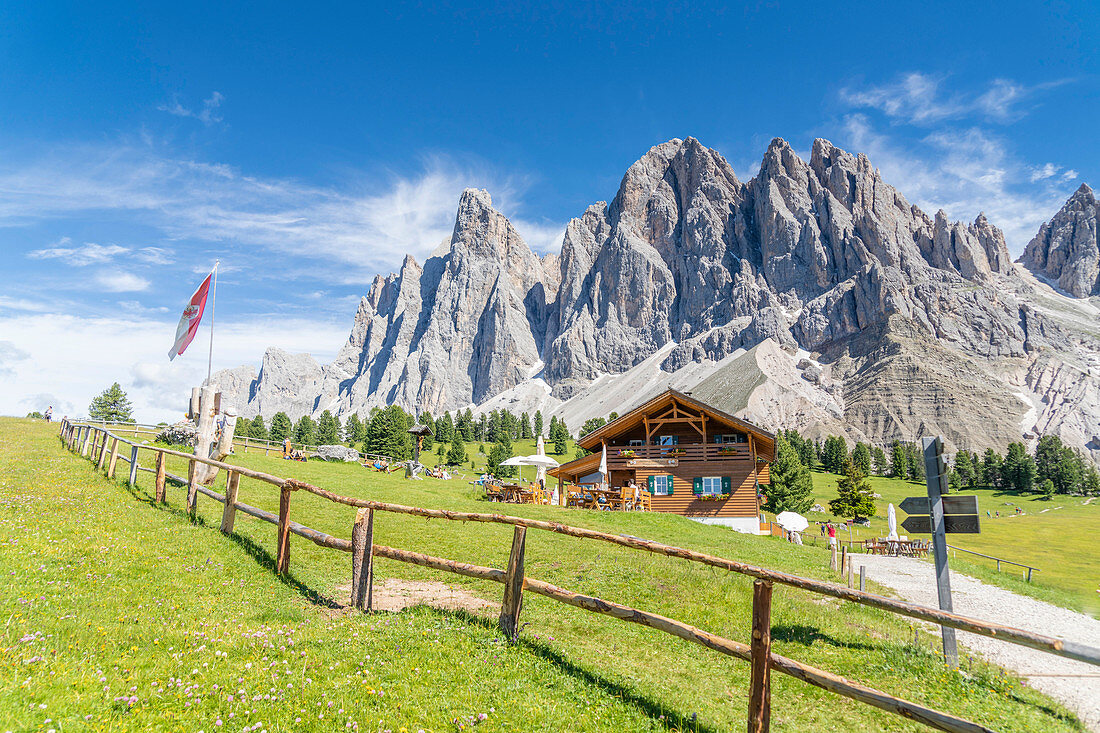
311 147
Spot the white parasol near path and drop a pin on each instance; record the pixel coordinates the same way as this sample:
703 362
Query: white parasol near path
603 464
892 523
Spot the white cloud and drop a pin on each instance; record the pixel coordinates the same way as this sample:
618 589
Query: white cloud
919 99
88 253
121 282
1043 172
208 114
356 231
542 237
965 172
134 352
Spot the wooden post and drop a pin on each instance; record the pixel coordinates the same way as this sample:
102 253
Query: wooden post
760 656
282 552
848 573
229 511
192 491
843 559
246 443
862 576
513 587
102 452
133 465
832 558
86 441
362 560
160 492
935 470
114 458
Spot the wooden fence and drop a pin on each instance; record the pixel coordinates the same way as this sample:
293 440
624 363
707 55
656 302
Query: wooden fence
92 441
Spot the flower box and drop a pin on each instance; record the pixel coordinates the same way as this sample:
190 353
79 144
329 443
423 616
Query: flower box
727 451
627 454
712 497
677 452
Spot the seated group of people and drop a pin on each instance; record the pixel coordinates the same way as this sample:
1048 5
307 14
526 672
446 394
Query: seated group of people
439 472
290 453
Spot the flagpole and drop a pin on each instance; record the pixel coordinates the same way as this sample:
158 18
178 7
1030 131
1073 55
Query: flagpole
213 299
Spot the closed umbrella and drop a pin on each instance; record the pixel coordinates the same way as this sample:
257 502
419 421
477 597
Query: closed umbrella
891 522
603 464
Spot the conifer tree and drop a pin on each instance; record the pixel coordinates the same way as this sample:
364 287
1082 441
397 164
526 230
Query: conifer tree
882 465
854 496
328 429
899 461
791 486
525 427
354 431
861 457
256 429
111 405
304 430
538 423
242 426
281 427
456 456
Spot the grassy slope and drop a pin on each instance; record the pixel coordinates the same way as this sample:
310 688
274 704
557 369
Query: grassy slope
1055 536
114 593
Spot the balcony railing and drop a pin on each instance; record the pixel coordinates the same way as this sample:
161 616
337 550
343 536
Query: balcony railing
689 451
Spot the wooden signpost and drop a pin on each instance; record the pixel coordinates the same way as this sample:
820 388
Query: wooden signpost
937 515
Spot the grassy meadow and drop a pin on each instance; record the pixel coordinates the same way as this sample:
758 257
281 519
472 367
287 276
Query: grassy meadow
1055 536
121 615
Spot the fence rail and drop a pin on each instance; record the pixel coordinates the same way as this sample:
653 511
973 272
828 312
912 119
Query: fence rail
763 661
999 561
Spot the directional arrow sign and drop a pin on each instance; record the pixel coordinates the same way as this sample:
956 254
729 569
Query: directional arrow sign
951 505
952 524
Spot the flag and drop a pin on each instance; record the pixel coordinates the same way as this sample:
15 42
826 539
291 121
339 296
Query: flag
189 321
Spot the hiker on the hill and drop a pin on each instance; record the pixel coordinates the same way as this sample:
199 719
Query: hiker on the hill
832 535
49 414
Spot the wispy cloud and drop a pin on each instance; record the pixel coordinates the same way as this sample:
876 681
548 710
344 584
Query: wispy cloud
921 99
358 229
963 171
208 114
121 282
88 253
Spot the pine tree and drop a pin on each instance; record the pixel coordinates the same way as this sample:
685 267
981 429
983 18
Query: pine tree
111 405
965 468
257 429
899 462
1018 470
328 430
590 425
915 460
354 431
456 456
444 428
854 496
791 486
426 419
538 423
241 428
281 427
1046 488
304 430
468 429
991 468
525 427
882 465
861 457
481 427
834 454
499 452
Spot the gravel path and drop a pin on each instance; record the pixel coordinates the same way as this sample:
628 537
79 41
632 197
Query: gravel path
914 580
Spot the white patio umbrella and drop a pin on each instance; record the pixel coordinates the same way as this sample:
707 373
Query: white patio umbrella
792 521
603 464
891 522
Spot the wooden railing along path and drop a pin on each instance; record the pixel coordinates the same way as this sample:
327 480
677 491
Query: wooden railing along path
92 441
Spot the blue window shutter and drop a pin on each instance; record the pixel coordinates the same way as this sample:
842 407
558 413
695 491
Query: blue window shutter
727 485
697 485
668 479
676 440
652 485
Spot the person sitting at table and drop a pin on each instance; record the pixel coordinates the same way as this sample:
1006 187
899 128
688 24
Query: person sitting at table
635 492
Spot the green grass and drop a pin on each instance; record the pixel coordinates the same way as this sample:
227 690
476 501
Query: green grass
1056 536
111 595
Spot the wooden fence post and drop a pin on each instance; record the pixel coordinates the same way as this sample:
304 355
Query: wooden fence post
862 576
73 436
513 587
85 440
282 551
832 558
133 465
229 511
114 458
192 491
102 452
362 560
843 559
246 443
160 492
760 704
849 571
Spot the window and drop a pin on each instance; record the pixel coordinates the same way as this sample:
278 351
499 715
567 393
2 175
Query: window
712 485
636 443
669 439
662 485
731 438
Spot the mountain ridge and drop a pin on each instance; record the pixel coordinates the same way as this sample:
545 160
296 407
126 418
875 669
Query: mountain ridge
822 258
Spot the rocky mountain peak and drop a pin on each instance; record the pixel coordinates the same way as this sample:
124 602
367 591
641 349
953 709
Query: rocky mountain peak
1066 249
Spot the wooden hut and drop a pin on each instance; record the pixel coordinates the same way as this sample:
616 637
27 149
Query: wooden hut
692 458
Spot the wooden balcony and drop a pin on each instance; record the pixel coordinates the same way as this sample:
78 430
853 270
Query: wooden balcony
622 456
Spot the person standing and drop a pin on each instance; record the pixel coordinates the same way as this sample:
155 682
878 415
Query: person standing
49 414
832 535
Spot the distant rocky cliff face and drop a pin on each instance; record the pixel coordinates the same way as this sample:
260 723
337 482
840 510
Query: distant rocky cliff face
911 323
1067 249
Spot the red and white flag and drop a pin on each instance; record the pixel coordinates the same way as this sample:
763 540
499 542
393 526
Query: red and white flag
189 321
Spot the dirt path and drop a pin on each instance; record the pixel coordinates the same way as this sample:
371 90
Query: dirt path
914 580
